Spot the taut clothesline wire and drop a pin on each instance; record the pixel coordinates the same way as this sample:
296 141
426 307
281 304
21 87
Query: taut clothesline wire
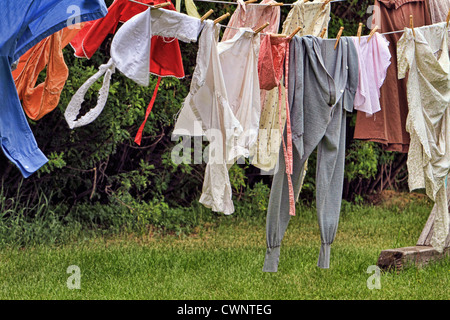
225 26
285 4
399 31
230 2
256 4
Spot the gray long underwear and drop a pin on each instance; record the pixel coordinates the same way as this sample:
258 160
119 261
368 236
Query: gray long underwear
322 86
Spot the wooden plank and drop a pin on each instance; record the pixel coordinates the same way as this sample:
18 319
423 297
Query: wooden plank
401 258
427 232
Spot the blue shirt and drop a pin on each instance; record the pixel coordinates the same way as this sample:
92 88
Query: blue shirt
23 23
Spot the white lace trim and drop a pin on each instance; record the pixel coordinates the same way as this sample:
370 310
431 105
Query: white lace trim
74 106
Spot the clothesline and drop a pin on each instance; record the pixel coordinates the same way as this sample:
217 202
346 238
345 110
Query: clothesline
255 4
230 2
398 31
225 26
285 4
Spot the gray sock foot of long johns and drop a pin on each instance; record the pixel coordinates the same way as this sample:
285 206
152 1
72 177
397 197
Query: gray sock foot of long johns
271 260
324 256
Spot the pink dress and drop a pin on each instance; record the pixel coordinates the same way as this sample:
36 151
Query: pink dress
253 16
374 59
272 61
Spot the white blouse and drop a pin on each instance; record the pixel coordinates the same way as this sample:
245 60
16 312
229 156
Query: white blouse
223 104
426 57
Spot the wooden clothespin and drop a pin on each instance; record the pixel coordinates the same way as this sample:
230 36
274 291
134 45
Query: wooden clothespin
261 28
276 4
222 17
338 37
322 34
250 1
305 1
278 35
448 18
294 33
161 5
359 31
411 23
372 33
157 6
206 15
325 3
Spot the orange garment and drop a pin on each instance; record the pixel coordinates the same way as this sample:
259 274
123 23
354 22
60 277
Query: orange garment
39 100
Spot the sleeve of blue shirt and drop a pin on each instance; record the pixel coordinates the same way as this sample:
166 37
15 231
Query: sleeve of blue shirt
17 140
23 24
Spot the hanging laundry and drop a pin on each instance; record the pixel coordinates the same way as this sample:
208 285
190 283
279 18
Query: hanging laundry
312 18
39 100
131 53
91 36
206 112
425 59
271 61
271 64
166 55
24 24
439 10
223 105
253 16
239 60
374 59
322 83
388 126
191 8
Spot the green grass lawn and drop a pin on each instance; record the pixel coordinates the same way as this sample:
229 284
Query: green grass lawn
225 260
